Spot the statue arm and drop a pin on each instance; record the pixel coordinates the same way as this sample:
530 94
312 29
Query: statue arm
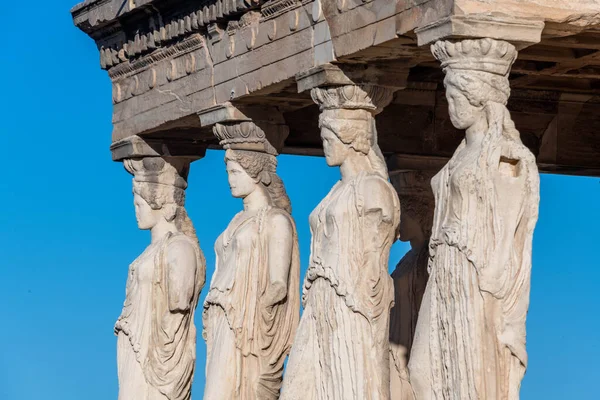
379 209
280 237
181 275
379 220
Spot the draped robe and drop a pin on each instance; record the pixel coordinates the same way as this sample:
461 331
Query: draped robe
342 349
156 348
247 341
470 339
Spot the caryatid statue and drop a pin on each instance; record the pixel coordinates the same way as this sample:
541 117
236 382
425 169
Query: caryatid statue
253 307
410 276
470 340
341 349
156 348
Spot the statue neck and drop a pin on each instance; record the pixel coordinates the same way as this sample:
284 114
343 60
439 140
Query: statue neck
476 132
161 229
257 200
353 165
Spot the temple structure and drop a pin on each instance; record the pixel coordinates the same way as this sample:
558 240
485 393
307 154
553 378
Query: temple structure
478 94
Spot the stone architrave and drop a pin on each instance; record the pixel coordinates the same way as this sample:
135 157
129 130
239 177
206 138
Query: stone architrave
156 346
253 307
410 276
470 339
341 349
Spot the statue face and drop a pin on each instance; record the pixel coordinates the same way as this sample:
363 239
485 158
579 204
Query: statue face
144 214
335 150
240 183
462 113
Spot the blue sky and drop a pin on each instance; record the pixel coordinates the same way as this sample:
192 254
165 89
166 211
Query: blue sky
68 231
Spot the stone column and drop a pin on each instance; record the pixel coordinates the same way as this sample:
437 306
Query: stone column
156 345
410 276
253 307
341 349
470 339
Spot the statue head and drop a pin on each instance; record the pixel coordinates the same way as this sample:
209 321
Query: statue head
248 171
347 123
250 157
343 132
417 205
159 185
476 76
146 217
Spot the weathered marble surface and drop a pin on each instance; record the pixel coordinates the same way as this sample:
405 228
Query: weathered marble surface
156 346
252 309
410 276
341 349
168 60
470 339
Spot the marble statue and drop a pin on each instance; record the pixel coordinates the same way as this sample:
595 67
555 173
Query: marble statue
410 276
156 345
253 307
341 349
470 339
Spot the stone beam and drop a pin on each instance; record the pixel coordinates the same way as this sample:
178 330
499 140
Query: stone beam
182 58
135 147
210 65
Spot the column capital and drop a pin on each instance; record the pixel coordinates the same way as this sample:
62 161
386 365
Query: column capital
170 173
353 97
247 127
353 87
137 147
391 76
519 32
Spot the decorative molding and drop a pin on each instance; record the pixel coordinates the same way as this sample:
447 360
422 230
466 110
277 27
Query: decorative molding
192 43
275 8
122 38
160 34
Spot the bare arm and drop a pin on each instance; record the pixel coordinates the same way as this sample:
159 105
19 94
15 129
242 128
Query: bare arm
181 275
280 236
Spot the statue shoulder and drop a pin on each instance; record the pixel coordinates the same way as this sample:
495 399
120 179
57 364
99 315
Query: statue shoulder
181 250
279 220
376 193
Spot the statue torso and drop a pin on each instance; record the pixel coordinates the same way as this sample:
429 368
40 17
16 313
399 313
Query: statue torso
136 318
